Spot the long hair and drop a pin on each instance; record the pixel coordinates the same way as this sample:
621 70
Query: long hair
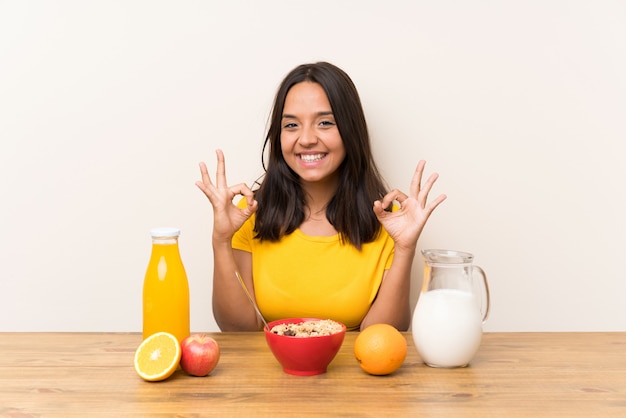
280 196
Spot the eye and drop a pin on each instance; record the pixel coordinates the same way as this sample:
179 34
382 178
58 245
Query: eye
290 125
327 123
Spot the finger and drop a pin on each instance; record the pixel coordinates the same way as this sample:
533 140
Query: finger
391 196
379 209
401 196
200 185
416 181
249 195
220 175
242 189
423 195
205 184
204 173
433 205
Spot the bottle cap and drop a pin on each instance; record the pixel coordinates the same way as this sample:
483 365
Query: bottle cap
165 232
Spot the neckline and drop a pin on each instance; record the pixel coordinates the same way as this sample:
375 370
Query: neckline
317 238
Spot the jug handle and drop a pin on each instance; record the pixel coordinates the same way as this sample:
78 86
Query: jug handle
486 291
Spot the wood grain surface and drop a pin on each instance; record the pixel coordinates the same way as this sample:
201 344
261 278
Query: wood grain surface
513 375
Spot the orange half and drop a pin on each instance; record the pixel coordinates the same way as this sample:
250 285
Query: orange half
157 357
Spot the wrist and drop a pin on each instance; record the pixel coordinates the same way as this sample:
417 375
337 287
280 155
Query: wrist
401 251
221 243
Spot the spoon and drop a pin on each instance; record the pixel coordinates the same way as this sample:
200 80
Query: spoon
256 308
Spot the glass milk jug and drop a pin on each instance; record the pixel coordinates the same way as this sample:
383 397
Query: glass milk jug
165 287
451 310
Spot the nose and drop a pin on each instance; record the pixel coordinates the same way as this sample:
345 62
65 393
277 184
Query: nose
308 137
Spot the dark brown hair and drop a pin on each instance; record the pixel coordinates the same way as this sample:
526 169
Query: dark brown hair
281 199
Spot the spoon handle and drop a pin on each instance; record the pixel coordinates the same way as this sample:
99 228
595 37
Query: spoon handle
256 308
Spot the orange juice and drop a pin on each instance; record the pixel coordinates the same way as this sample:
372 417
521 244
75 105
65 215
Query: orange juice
165 287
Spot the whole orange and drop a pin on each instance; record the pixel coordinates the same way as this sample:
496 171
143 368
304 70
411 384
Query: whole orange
380 349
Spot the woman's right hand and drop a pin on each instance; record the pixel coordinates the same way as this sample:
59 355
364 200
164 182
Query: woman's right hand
227 217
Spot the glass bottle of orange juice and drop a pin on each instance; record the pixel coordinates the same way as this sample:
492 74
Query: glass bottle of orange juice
165 287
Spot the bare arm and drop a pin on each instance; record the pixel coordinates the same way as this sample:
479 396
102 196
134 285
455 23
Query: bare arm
231 308
392 304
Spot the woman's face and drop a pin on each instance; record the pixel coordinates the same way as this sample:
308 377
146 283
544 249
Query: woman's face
309 139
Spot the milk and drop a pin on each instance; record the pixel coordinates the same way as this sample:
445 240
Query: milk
447 327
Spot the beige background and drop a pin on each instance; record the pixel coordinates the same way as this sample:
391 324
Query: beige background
106 108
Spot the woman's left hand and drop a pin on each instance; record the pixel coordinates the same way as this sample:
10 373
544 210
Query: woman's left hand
405 224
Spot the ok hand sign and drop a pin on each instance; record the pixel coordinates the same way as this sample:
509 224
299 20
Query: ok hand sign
227 217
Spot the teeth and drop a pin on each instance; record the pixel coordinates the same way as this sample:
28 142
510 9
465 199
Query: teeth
311 158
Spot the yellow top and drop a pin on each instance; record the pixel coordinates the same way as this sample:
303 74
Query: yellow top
306 276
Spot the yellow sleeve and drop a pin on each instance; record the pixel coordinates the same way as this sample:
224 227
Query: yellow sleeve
242 240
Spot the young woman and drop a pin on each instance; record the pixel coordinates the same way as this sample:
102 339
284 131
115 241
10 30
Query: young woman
321 236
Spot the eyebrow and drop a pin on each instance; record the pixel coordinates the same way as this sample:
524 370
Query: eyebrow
324 113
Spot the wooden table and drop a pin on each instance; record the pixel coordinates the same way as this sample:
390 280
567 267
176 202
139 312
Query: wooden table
513 374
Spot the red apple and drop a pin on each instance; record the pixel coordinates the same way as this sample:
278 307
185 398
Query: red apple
200 354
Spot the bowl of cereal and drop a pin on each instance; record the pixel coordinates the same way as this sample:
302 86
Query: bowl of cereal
305 346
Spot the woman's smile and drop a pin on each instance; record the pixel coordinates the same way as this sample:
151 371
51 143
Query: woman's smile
311 158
